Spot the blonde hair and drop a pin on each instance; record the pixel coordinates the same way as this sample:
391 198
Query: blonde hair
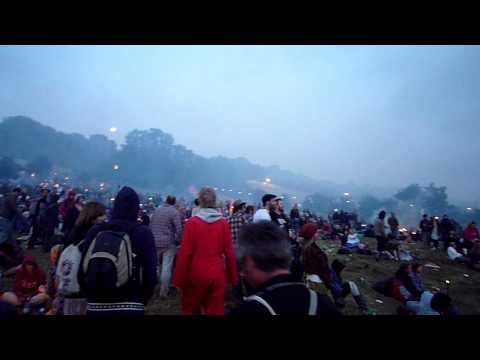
207 198
90 212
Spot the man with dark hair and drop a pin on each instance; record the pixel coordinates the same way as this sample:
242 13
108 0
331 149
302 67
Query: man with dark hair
166 226
267 207
278 216
393 224
249 211
264 255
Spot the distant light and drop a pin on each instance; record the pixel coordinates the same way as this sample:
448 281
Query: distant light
150 198
447 281
86 190
33 175
411 205
67 178
102 184
268 180
469 209
239 193
230 190
264 183
249 194
112 199
116 167
346 194
215 189
335 210
348 201
223 189
294 197
113 129
57 185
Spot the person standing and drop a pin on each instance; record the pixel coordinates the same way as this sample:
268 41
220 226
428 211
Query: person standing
264 212
380 233
8 215
426 227
250 210
393 224
67 204
435 233
104 296
166 226
72 216
444 228
206 260
38 218
264 252
237 220
295 219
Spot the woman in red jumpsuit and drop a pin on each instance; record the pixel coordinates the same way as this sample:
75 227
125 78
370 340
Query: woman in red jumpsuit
206 260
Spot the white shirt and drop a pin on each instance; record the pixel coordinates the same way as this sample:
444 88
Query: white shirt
353 239
452 253
261 214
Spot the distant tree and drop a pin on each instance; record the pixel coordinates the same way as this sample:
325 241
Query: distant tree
9 169
409 193
40 165
435 199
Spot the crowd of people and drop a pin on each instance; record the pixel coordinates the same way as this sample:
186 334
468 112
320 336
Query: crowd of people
111 257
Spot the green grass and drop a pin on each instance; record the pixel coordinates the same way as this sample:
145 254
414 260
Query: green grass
365 271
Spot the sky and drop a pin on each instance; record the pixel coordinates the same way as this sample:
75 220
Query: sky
380 115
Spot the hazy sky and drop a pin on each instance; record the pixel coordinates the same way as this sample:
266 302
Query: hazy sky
382 115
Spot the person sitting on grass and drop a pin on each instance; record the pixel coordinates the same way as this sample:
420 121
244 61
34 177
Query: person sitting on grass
315 261
403 288
431 304
456 255
340 289
30 286
352 240
416 276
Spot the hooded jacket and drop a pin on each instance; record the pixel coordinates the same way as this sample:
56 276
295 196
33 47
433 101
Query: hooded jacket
471 233
124 217
206 252
26 284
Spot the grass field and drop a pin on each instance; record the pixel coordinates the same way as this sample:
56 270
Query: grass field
365 271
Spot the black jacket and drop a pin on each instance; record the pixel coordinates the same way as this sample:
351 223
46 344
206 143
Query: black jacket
69 221
286 300
124 217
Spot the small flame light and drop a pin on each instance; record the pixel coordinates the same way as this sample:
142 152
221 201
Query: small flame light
116 167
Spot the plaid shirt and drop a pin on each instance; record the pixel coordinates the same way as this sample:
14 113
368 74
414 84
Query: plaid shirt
236 221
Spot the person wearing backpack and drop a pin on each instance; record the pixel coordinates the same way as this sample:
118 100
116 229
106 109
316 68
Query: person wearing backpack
118 269
265 257
74 302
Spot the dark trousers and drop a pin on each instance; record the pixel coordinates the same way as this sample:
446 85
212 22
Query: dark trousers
381 243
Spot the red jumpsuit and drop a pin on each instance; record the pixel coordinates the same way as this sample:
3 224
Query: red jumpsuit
204 264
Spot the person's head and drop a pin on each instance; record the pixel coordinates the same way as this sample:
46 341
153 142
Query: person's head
126 205
440 302
196 202
308 231
45 193
30 264
351 231
239 206
295 206
445 216
337 266
417 268
425 216
267 201
250 210
207 198
264 252
171 200
92 213
280 204
382 215
71 195
404 269
18 191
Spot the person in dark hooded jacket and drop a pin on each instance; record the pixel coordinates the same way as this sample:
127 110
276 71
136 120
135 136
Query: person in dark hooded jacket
132 298
340 289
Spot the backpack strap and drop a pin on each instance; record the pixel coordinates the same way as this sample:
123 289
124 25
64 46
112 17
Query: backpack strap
313 302
263 302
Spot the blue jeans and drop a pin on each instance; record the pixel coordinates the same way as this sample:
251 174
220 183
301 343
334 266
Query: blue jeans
166 257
